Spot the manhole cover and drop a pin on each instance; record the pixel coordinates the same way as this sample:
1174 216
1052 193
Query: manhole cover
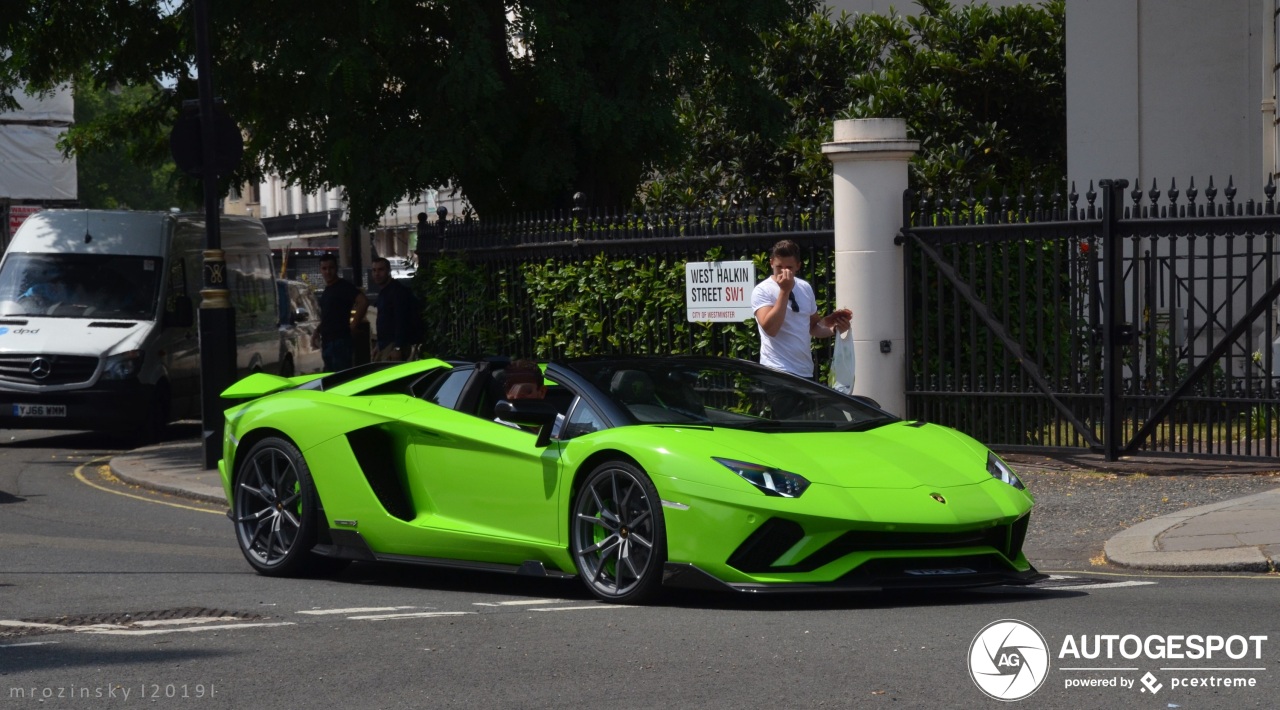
10 628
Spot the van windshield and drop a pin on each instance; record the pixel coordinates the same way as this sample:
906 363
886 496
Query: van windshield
80 286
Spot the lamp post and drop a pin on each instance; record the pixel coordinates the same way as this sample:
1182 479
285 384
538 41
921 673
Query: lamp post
217 317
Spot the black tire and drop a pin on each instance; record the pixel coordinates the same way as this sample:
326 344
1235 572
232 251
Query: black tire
154 425
617 534
286 367
276 510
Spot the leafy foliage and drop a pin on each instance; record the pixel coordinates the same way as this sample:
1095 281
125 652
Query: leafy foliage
982 89
616 301
109 160
518 103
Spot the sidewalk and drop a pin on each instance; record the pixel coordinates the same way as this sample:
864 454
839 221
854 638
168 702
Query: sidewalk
176 467
1241 535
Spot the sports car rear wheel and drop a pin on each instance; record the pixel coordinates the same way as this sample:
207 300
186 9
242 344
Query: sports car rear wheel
617 534
275 509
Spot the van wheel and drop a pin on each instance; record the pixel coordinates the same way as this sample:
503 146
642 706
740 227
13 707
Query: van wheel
151 429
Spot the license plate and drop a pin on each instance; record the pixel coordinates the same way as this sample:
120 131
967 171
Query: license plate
39 410
940 572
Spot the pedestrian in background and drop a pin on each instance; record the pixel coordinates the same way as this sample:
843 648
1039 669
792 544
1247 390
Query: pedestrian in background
786 312
399 317
338 323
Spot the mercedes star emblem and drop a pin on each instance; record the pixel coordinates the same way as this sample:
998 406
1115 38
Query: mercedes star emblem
40 368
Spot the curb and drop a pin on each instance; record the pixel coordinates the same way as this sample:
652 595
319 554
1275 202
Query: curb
1138 546
134 469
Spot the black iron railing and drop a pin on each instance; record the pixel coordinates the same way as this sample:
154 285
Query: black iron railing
1123 328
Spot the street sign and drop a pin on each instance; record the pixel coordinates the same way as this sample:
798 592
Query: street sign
718 291
188 150
19 214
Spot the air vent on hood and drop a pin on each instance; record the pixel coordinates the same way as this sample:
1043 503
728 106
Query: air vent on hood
13 322
111 324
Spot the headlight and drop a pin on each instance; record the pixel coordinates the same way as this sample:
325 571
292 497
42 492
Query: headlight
770 481
999 469
123 366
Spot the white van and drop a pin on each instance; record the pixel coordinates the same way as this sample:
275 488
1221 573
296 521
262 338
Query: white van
98 322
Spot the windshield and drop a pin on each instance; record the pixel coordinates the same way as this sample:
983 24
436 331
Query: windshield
80 286
726 393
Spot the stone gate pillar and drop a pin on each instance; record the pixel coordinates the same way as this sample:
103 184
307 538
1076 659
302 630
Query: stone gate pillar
870 158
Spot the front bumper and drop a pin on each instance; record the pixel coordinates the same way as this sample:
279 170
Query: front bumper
107 406
877 575
844 539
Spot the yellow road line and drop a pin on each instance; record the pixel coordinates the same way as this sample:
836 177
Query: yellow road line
79 473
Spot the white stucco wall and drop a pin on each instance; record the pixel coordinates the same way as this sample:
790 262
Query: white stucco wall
1166 89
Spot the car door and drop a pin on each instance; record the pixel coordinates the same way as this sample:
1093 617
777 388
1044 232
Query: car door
475 475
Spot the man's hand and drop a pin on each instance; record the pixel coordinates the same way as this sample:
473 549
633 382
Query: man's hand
786 280
839 320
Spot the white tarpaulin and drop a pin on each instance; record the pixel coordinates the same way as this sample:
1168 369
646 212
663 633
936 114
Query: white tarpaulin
32 167
58 107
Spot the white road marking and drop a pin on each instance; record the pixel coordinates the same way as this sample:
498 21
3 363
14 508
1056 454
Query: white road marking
1087 583
520 602
593 606
29 643
179 622
31 624
152 632
357 610
1107 585
419 615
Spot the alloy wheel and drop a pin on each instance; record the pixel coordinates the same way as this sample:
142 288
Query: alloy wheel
268 507
617 533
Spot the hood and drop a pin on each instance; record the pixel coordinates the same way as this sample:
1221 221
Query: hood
899 455
71 336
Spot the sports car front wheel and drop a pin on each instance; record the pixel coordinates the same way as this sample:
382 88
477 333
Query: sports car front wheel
275 508
617 534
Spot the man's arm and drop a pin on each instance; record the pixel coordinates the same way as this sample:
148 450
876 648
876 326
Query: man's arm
771 317
819 328
830 325
361 307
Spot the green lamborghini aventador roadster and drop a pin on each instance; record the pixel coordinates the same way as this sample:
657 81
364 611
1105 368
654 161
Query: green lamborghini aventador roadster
629 472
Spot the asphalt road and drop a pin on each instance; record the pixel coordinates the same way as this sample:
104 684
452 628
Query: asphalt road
148 594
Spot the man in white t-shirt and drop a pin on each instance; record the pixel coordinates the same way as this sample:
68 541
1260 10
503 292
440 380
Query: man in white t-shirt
787 314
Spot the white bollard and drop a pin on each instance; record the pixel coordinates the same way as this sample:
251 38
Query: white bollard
870 159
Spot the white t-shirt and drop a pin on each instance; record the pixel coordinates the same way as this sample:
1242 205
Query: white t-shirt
789 350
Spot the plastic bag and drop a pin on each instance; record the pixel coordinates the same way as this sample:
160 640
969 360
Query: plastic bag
842 363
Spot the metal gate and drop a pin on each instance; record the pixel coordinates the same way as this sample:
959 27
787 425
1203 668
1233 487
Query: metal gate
1145 324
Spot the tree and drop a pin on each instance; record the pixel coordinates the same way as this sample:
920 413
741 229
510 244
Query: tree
115 172
982 89
519 103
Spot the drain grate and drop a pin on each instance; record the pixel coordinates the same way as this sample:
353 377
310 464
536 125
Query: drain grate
10 628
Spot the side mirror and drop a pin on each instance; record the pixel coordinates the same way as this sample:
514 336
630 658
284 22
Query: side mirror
300 315
181 316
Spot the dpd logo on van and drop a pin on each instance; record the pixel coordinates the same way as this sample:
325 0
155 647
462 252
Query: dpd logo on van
1008 660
